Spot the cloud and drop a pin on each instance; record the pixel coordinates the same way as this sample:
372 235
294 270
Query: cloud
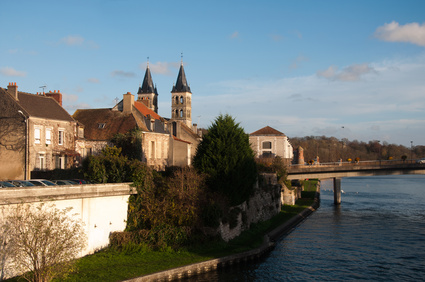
164 68
7 71
73 40
120 73
234 35
296 63
93 80
276 37
387 106
76 40
412 33
350 73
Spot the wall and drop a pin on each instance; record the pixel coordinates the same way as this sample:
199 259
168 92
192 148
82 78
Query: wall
102 207
280 145
263 205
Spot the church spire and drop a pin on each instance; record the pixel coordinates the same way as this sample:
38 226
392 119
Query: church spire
147 85
181 83
148 94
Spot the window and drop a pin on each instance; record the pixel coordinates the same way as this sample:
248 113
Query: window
61 137
41 162
48 136
181 113
37 134
101 125
177 99
152 149
181 99
267 145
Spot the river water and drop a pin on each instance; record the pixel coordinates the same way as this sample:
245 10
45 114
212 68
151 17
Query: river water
376 234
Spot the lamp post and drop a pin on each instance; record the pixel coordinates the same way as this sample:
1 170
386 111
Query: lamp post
26 145
411 151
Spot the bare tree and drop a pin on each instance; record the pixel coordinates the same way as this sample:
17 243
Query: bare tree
6 248
46 240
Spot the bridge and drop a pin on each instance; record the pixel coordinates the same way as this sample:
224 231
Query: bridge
338 170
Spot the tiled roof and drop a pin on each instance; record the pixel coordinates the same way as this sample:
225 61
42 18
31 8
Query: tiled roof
181 140
42 107
267 131
114 122
145 110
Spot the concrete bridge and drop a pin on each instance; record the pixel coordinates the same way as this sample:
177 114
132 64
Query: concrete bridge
338 170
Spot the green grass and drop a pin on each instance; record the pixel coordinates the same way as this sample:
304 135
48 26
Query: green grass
113 265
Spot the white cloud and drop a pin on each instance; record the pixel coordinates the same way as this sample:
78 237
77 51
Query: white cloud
350 73
77 40
234 35
412 33
121 73
164 68
387 106
276 37
7 71
93 80
72 40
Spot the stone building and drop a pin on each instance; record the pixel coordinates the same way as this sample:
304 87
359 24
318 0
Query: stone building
165 142
268 142
36 133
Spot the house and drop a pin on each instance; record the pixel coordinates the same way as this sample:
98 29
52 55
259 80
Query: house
268 142
165 142
36 133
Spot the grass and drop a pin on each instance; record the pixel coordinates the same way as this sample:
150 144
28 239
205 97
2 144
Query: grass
112 265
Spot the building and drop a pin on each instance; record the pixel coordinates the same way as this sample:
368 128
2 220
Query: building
268 142
165 142
36 133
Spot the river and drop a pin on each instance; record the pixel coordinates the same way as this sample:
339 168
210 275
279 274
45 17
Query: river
376 234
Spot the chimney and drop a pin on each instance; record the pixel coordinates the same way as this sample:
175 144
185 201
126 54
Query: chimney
195 128
55 95
128 102
12 88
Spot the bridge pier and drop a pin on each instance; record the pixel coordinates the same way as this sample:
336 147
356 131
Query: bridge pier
337 191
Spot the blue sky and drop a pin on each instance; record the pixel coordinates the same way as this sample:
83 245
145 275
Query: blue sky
349 69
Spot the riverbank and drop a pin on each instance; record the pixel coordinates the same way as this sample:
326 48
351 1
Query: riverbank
140 261
227 261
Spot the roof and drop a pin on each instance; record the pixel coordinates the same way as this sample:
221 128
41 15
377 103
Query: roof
103 124
41 106
267 131
144 110
181 83
147 86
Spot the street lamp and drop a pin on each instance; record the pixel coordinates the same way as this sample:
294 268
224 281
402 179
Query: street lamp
411 151
26 145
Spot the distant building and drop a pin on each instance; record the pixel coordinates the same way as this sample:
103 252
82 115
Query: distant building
268 142
36 133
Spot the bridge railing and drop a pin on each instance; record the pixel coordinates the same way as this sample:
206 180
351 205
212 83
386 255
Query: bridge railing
360 163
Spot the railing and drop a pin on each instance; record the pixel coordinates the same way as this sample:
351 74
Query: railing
360 163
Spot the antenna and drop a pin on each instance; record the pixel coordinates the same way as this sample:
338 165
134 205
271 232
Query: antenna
181 56
148 62
44 86
116 100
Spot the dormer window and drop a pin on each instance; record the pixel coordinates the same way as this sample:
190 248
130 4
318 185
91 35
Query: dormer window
101 125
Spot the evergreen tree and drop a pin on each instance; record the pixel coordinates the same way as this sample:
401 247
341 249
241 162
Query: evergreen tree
225 155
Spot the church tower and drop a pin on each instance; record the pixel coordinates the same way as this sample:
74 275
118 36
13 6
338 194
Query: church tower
181 99
147 93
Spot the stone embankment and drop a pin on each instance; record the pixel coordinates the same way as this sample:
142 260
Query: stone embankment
252 255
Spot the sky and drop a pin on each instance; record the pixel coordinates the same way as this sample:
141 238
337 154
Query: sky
348 69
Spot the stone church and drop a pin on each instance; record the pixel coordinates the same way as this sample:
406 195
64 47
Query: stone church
165 141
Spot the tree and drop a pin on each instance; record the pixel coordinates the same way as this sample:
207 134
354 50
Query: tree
45 241
225 155
130 143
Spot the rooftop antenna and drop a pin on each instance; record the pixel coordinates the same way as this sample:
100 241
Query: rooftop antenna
116 100
44 86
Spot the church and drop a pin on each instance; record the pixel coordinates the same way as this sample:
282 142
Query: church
165 141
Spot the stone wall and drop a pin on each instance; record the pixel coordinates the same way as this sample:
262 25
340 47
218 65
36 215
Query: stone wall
263 205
